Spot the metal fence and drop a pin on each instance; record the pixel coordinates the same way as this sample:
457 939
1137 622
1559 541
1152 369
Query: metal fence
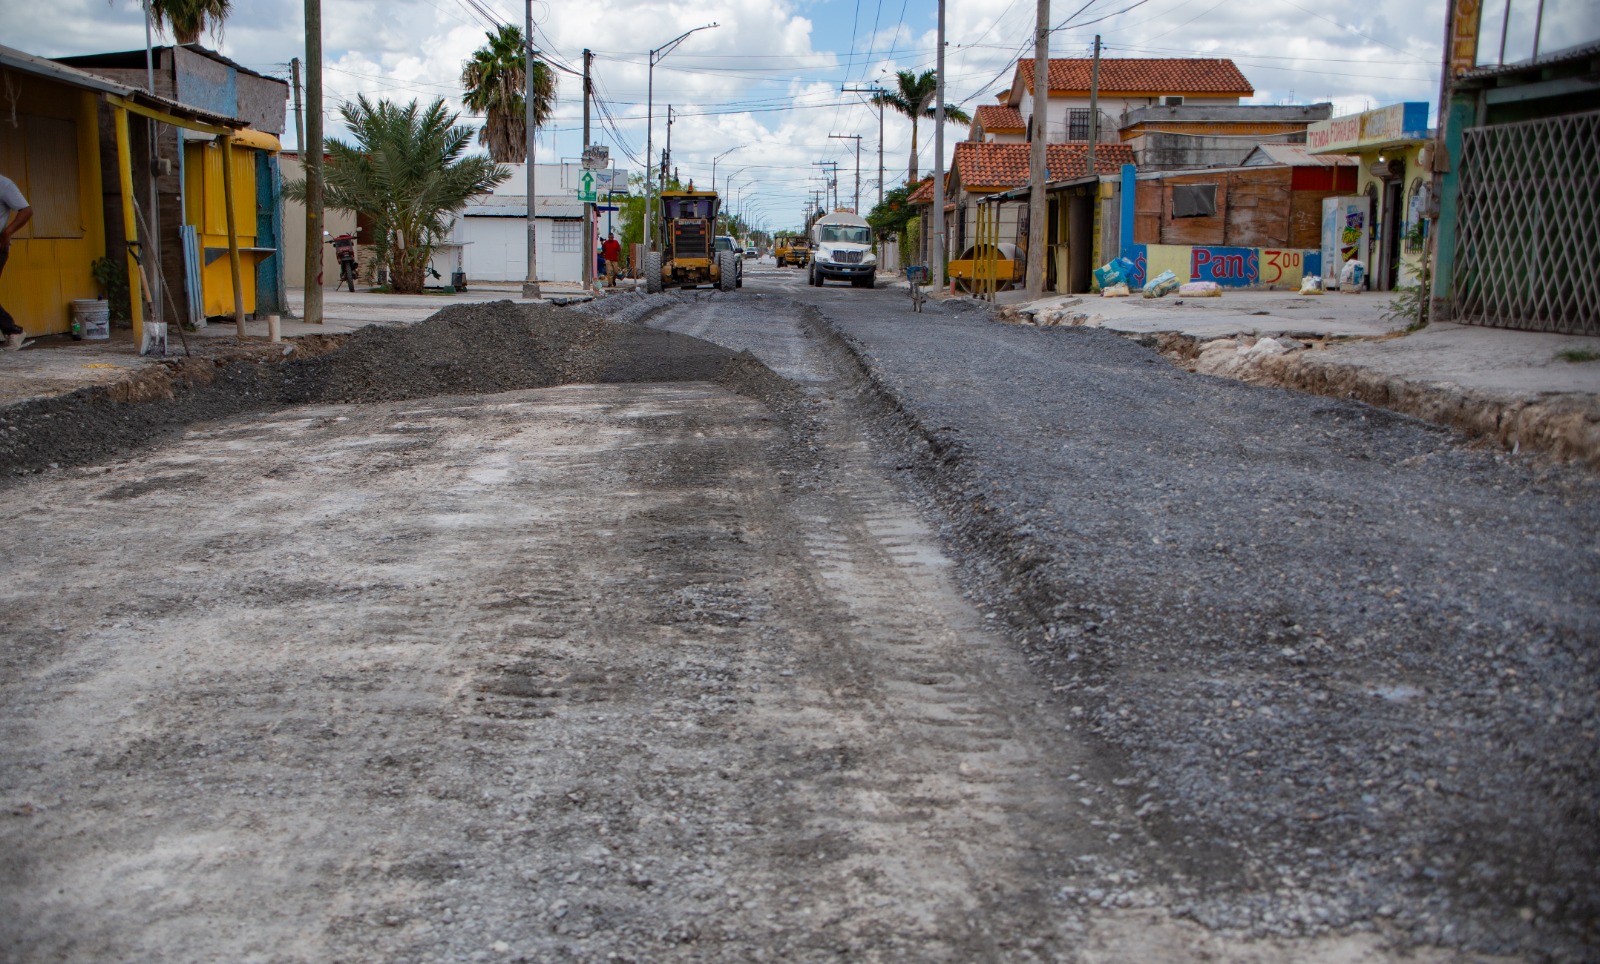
1527 249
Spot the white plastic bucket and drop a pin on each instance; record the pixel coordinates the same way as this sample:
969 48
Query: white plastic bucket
93 318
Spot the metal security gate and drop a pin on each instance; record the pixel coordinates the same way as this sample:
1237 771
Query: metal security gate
1527 249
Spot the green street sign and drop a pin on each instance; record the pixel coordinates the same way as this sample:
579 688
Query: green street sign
586 186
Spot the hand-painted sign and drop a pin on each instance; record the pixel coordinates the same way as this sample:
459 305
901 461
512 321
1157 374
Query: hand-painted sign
1397 122
1229 267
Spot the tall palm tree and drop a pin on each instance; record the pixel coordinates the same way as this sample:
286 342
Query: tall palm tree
915 100
495 83
188 18
407 171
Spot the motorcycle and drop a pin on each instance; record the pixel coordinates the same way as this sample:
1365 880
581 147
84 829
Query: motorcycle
344 249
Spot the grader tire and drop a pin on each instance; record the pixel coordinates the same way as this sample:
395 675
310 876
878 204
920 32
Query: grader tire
652 272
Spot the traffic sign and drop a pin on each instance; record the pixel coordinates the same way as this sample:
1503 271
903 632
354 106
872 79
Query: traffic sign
586 184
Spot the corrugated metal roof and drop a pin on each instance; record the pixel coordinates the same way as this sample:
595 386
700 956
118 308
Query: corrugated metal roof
1294 155
27 63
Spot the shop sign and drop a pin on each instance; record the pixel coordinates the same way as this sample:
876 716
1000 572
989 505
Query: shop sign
1396 122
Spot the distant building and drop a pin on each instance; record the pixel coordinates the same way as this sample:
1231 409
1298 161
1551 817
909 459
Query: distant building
1210 135
1124 85
998 124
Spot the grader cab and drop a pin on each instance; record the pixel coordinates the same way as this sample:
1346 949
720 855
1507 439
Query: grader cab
689 257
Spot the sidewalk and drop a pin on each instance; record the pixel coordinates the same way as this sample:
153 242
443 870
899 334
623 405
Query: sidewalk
1521 388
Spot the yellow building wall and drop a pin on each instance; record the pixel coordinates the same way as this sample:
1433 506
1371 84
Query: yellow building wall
203 189
1415 176
53 154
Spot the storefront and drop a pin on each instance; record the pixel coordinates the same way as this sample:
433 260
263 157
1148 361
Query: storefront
1394 146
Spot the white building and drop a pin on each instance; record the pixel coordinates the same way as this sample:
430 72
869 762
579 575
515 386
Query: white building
489 240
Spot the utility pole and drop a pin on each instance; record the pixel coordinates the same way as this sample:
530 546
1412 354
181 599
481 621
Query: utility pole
832 180
937 255
874 90
312 156
530 284
857 139
1094 105
666 155
588 206
1039 153
299 121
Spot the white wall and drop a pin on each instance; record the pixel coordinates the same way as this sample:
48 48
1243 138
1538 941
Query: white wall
496 249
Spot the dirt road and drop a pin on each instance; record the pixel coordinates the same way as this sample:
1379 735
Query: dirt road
650 670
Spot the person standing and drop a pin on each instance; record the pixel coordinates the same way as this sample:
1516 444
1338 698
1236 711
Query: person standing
14 213
611 250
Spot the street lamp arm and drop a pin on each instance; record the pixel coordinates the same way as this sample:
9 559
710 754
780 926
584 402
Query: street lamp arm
666 48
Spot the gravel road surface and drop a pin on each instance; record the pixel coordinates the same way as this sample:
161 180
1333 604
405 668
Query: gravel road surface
1352 662
782 625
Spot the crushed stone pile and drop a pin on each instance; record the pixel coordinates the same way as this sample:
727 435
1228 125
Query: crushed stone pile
461 350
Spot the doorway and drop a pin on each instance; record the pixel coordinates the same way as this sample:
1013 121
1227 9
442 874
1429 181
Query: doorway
1393 200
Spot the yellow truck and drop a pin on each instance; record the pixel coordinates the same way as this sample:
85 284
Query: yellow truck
793 252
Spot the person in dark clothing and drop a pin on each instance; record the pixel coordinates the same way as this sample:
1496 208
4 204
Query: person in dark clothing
14 213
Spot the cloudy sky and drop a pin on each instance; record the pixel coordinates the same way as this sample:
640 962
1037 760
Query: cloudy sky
765 84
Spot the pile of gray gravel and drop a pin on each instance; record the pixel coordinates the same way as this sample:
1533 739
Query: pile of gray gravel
461 350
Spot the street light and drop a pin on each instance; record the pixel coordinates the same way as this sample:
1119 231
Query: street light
719 157
649 126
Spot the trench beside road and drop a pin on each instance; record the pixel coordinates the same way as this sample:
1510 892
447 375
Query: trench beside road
525 634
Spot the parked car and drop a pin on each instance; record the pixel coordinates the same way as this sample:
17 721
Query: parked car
751 253
726 242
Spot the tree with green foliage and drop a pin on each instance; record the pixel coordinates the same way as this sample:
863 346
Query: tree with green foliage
407 171
913 97
187 19
496 86
890 215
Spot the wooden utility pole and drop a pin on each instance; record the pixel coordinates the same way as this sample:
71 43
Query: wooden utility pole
857 139
299 120
530 284
1094 105
1039 154
312 156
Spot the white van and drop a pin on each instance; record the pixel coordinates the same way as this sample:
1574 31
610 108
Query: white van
841 247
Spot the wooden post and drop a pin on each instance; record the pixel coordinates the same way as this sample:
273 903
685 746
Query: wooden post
129 222
233 233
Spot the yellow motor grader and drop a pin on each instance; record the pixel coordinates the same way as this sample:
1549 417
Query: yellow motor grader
689 257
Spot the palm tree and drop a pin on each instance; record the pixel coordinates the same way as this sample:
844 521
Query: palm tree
495 83
187 18
407 171
915 100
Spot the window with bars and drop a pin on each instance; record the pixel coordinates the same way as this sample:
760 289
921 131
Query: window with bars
1077 125
568 237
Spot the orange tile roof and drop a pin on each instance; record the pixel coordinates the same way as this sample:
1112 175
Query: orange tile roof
998 117
923 194
988 165
1166 75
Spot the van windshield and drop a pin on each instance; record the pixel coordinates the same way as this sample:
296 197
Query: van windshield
845 233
